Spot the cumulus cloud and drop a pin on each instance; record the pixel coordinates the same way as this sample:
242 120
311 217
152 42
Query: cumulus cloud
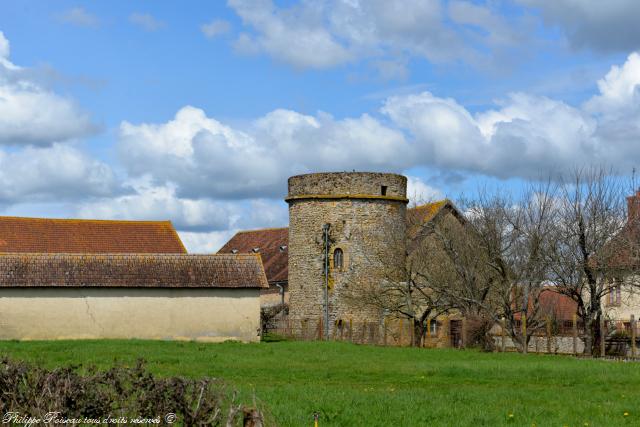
204 224
80 17
204 157
146 21
601 25
335 32
51 174
34 121
205 243
31 114
148 202
4 46
524 135
619 89
419 192
215 28
528 136
296 35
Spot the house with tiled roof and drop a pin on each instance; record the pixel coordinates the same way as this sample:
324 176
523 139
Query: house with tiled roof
77 279
271 244
623 260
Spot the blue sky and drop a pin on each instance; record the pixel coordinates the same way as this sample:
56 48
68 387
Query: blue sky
198 112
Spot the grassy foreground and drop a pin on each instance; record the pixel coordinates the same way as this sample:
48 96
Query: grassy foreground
352 385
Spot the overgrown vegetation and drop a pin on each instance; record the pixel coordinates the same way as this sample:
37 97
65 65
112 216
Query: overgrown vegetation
352 385
66 395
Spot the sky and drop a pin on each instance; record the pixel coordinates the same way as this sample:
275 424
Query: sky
198 112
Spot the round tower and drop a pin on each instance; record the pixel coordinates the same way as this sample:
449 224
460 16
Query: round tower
352 225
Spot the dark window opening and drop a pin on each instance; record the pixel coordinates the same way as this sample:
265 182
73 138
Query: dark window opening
383 190
338 259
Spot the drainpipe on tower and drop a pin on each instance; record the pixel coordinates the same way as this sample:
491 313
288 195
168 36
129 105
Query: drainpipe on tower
325 231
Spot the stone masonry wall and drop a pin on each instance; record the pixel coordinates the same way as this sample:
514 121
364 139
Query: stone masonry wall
348 183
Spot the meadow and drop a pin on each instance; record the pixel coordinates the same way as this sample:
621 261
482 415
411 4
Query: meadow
353 385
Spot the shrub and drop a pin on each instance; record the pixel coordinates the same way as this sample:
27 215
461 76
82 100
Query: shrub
270 314
479 333
120 392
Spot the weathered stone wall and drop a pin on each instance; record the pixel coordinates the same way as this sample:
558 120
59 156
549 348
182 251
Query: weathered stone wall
537 344
370 231
338 183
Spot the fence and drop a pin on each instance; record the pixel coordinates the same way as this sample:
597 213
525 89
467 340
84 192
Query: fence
566 337
554 337
389 332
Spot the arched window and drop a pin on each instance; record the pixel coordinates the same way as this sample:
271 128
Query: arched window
338 259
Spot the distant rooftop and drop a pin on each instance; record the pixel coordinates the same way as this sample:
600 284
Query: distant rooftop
270 243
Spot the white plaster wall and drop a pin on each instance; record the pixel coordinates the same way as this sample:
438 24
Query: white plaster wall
156 313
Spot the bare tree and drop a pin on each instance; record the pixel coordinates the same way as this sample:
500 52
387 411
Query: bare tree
409 297
505 273
589 238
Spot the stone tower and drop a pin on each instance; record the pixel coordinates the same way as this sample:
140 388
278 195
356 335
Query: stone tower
366 217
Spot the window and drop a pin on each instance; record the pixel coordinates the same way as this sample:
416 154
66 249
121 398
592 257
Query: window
433 327
615 295
338 259
383 190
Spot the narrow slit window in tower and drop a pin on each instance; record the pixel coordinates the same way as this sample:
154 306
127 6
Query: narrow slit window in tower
337 259
383 190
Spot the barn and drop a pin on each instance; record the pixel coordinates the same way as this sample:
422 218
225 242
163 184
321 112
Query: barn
85 279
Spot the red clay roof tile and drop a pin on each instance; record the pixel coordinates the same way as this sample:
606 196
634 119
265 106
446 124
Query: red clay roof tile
272 244
44 235
132 271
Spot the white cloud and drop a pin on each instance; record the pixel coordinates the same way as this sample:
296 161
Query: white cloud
528 136
30 114
335 32
610 25
524 135
51 174
80 17
205 243
204 157
619 89
148 202
4 46
215 28
295 35
419 192
146 21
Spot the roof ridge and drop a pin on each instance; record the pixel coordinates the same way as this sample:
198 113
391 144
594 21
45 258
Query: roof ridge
121 254
424 205
88 220
262 229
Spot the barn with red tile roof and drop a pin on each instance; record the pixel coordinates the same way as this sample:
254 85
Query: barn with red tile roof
76 279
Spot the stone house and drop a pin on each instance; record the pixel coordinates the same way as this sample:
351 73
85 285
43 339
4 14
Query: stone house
78 279
623 299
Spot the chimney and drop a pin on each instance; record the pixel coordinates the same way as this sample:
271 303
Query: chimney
633 208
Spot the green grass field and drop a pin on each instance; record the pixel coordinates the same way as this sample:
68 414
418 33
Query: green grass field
352 385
